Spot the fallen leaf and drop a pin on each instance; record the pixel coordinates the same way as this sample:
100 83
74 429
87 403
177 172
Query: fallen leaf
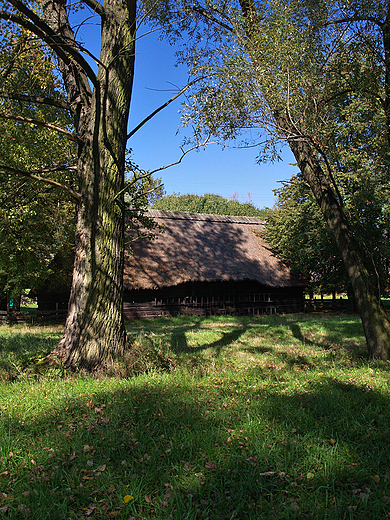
90 463
210 465
310 475
148 499
127 498
24 509
376 478
332 442
102 467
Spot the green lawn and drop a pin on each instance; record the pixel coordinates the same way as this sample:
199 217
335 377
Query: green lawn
218 418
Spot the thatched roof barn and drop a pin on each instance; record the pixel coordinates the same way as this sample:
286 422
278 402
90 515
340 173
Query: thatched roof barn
208 264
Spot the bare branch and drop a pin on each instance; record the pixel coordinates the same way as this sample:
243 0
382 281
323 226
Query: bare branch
69 135
184 153
210 17
131 183
32 175
35 99
355 18
161 108
96 7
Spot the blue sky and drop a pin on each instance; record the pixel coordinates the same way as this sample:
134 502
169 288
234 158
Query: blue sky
214 170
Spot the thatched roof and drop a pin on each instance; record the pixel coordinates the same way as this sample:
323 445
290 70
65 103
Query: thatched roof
207 248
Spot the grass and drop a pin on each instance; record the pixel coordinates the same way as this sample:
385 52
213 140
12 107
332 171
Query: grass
218 418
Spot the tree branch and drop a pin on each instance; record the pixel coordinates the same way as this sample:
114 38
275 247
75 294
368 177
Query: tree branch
208 16
35 99
131 183
96 7
31 175
69 135
184 153
356 18
161 108
62 47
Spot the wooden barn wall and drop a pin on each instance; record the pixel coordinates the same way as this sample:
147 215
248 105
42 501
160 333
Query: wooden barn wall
213 298
50 301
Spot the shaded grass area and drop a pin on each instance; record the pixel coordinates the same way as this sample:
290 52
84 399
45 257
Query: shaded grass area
274 417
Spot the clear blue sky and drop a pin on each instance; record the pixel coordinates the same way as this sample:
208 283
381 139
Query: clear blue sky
215 170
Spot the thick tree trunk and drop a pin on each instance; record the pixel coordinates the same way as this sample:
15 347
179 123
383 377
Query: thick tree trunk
375 322
94 331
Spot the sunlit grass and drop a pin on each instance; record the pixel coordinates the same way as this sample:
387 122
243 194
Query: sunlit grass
245 418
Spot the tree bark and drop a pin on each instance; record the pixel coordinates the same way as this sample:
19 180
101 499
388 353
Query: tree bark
94 331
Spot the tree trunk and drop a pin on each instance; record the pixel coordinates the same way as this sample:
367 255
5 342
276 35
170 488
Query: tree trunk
375 322
94 331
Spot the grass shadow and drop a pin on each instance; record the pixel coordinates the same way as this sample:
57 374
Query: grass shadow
179 454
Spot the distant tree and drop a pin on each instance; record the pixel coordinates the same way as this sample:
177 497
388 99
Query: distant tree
35 227
208 203
289 69
297 231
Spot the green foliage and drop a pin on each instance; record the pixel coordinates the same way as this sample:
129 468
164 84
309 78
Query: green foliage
298 232
208 203
272 417
36 221
35 230
141 190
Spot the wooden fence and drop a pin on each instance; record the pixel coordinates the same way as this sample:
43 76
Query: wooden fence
200 306
333 305
33 317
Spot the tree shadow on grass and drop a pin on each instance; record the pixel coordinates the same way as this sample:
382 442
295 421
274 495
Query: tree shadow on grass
297 334
20 343
20 350
148 449
179 341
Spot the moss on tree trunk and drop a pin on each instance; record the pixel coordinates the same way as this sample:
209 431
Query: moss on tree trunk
94 332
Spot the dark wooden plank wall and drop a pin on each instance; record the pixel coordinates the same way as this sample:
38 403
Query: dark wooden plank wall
255 304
